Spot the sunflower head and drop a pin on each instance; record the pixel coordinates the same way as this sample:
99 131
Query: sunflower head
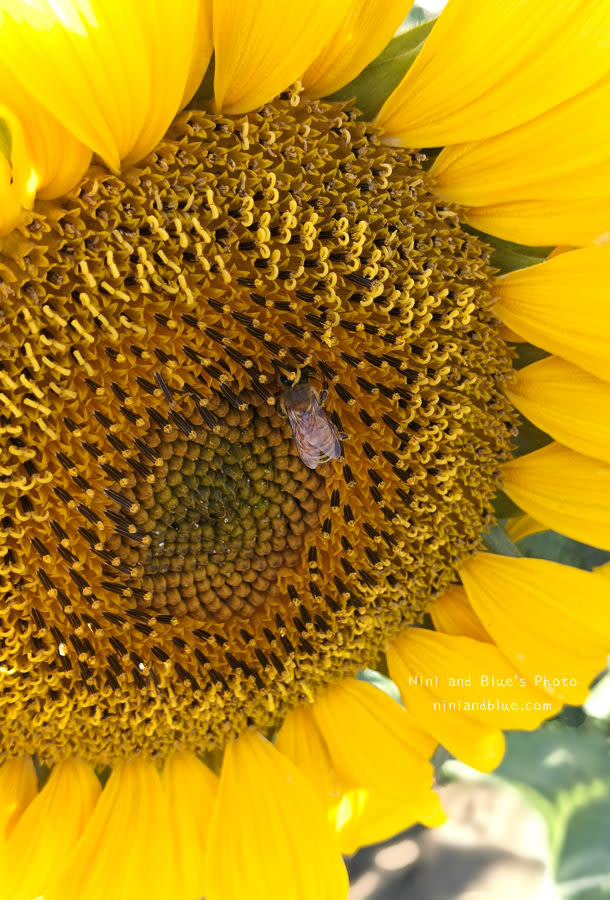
165 529
256 398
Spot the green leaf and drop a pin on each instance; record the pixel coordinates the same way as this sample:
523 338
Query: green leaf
6 141
597 704
565 774
554 759
374 85
592 888
583 863
417 16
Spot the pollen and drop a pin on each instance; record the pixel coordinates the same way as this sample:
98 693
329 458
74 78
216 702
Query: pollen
172 571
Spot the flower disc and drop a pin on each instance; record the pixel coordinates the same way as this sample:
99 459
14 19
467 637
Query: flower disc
170 558
226 508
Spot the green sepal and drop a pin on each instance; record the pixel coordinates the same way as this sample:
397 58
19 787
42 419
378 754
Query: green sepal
374 85
527 354
103 773
558 548
381 665
204 94
529 438
507 256
504 507
42 771
497 541
370 89
510 257
6 140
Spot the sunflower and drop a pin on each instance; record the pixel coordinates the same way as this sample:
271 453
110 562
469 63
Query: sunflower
259 394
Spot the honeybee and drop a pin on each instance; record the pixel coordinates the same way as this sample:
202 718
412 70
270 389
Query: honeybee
316 438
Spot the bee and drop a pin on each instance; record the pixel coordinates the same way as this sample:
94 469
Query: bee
316 438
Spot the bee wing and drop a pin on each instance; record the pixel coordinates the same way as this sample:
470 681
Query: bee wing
324 438
330 445
336 443
315 437
294 419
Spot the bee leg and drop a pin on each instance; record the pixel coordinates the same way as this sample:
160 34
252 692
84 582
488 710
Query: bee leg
324 394
289 377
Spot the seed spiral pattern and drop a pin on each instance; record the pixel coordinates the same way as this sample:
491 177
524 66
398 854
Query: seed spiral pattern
171 570
227 508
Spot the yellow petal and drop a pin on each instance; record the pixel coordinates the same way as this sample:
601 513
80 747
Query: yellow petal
48 830
536 184
172 33
452 614
262 48
488 66
521 527
567 491
464 692
58 159
201 51
566 402
563 306
18 176
112 72
367 29
373 741
125 850
603 570
191 791
507 334
269 835
359 815
550 620
301 741
18 787
366 817
557 251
